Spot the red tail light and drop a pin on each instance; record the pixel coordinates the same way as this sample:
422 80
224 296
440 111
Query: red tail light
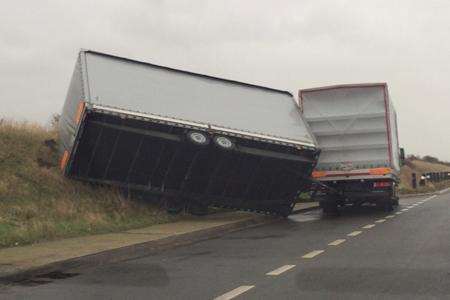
381 184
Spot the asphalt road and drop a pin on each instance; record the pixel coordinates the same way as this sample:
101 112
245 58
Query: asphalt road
404 255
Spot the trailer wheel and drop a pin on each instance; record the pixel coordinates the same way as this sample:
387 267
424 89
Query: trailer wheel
224 142
198 138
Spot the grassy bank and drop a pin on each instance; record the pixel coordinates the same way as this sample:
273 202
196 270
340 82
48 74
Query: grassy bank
37 203
420 167
429 188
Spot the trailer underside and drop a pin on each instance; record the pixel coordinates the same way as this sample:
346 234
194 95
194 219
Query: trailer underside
160 159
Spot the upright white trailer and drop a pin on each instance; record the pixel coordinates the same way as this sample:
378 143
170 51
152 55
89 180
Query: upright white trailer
355 126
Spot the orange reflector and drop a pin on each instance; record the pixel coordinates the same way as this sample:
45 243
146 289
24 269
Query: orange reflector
79 113
64 160
318 174
380 171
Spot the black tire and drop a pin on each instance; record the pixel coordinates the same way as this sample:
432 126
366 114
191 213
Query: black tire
389 206
224 142
174 205
395 197
198 209
329 208
395 201
198 138
386 205
284 210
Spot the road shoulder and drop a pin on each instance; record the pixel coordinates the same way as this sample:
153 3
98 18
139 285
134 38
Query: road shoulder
18 263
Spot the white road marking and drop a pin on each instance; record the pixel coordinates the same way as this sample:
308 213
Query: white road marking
380 221
405 209
280 270
390 216
313 253
234 293
411 206
304 217
354 233
444 191
398 213
369 226
429 198
336 242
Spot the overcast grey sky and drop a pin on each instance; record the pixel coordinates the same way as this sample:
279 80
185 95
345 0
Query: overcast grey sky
282 44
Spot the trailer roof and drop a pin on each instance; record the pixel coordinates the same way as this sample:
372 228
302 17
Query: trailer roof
188 72
139 87
338 86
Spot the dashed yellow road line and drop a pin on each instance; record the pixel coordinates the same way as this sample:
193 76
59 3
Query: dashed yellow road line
280 270
336 242
380 221
354 233
369 226
313 253
234 293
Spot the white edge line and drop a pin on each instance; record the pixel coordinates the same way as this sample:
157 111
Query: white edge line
234 293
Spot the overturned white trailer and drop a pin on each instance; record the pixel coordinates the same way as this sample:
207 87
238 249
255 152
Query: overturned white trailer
194 139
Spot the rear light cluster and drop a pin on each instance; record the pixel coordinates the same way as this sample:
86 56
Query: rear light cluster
382 184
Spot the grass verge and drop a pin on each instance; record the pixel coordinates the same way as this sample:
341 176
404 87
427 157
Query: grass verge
37 203
429 188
